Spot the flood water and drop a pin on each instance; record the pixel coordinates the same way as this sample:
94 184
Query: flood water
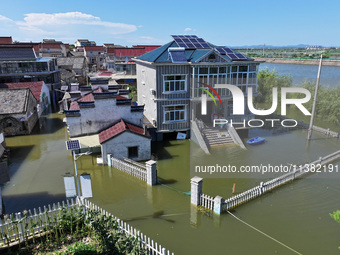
296 214
330 75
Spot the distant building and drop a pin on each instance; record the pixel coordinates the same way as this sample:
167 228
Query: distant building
119 59
39 90
20 64
84 42
314 47
6 40
77 65
170 81
18 111
95 56
50 48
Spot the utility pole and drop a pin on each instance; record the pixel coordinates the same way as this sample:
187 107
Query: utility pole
264 45
314 102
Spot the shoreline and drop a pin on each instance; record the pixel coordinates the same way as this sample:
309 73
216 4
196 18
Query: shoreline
299 61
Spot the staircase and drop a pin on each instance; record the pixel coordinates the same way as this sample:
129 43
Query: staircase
217 136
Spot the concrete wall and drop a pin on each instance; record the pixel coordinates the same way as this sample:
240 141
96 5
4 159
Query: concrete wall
118 146
45 99
146 81
103 115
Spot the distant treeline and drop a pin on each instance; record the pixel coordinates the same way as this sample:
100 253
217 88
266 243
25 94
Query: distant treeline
328 100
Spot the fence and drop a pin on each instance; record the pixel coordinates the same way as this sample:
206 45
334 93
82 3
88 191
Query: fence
207 201
218 204
326 131
15 228
147 172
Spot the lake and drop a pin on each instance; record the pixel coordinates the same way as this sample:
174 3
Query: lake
330 75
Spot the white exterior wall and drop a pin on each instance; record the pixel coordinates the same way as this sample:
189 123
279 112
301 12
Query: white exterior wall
103 115
118 146
146 81
45 99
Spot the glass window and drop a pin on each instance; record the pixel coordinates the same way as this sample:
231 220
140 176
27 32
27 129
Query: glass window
234 69
203 70
222 69
174 83
243 69
252 68
174 113
213 70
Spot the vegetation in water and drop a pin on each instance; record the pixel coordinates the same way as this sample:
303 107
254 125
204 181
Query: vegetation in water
328 100
336 216
78 231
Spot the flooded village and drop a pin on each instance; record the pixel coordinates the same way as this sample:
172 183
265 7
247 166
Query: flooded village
132 133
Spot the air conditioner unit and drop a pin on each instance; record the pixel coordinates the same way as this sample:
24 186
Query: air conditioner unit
154 122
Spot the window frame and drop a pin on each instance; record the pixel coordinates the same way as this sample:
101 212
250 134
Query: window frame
175 112
185 90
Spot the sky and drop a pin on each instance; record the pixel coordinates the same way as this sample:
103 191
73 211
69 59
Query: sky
132 22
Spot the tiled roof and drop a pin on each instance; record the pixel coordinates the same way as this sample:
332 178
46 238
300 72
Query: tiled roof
119 128
74 106
50 46
87 98
35 87
161 55
12 53
6 40
126 52
76 62
98 90
147 47
13 100
94 48
154 54
118 97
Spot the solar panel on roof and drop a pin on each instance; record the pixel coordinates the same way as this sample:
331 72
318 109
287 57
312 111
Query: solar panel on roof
232 56
240 56
72 145
178 56
190 42
205 45
190 45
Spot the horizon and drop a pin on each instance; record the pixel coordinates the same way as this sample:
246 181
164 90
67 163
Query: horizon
223 23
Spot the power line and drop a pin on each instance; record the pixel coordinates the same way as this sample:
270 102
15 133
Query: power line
264 233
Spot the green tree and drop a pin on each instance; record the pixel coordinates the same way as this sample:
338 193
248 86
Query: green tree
268 80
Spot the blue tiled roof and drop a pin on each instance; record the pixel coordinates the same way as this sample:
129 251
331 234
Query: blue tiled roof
161 55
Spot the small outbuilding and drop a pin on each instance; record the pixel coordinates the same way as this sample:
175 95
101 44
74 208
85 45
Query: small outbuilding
125 140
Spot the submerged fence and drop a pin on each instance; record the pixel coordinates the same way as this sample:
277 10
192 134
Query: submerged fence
20 227
218 204
147 172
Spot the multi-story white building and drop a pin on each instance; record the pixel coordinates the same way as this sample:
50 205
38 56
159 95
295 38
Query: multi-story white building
170 81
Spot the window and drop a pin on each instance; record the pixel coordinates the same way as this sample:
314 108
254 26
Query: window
174 83
133 152
243 69
212 57
174 113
